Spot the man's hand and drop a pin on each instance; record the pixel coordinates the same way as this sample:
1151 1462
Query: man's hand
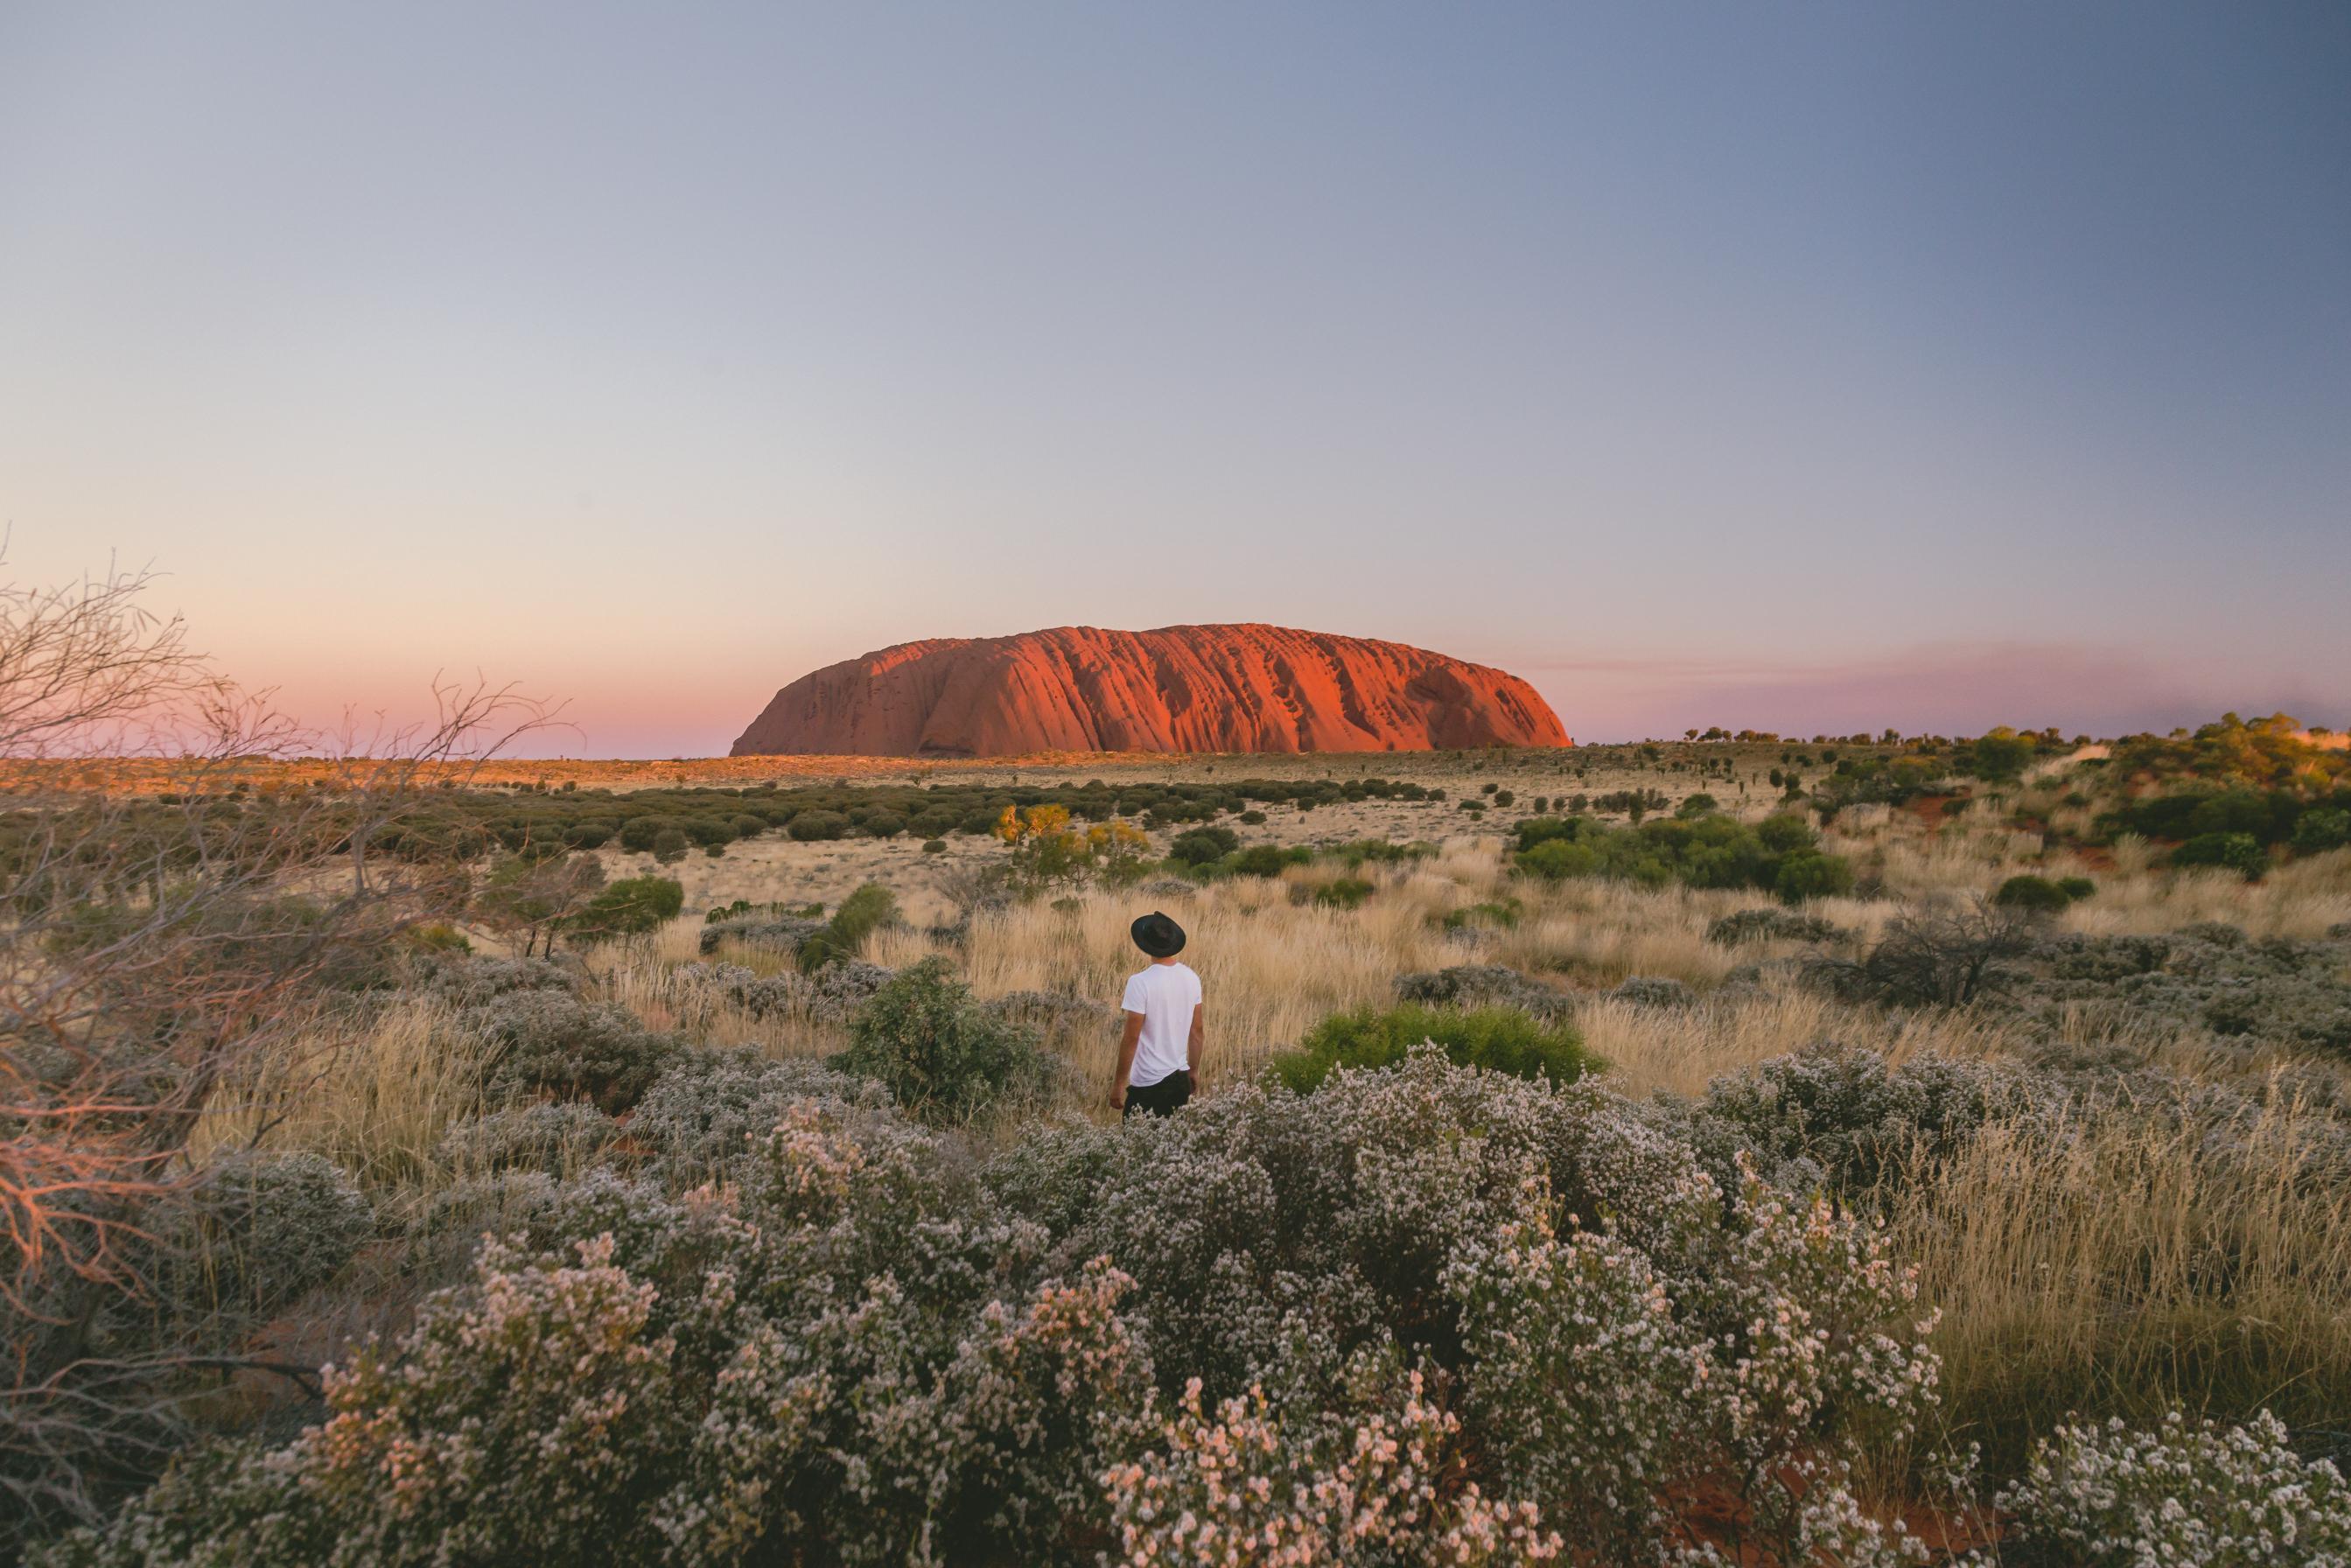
1118 1098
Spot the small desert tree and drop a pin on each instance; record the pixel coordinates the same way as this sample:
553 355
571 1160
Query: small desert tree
183 873
529 896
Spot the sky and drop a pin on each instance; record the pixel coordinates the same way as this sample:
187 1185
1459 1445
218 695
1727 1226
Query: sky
1808 368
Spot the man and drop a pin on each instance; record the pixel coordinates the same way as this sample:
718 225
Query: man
1160 1049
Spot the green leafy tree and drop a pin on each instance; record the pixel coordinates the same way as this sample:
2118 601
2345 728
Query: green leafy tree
628 908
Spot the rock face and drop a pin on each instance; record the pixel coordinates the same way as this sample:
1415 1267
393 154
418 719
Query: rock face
1179 688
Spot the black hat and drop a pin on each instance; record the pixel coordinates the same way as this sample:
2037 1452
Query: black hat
1157 935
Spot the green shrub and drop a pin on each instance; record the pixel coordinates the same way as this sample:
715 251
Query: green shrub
2324 829
810 827
1502 1040
2033 895
637 834
1503 912
943 1057
1809 875
1346 893
1380 850
2238 852
934 822
1696 805
861 913
1198 846
1263 860
884 825
1706 850
1555 860
2076 888
627 908
935 846
670 845
1253 817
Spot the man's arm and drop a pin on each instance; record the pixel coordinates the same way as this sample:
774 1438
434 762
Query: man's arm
1127 1060
1199 1037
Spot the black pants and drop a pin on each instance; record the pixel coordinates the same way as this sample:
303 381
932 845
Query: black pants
1158 1099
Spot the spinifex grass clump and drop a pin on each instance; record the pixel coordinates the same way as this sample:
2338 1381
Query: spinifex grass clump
1500 1039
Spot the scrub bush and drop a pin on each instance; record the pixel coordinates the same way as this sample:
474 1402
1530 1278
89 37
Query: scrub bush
1502 1040
553 1138
1198 846
2210 977
2238 852
629 907
254 1234
1654 991
549 1043
1390 1321
784 932
1261 859
1809 875
1780 855
864 912
1944 953
2185 1492
2032 894
811 826
1345 892
2320 830
1770 925
1845 1118
1482 985
943 1057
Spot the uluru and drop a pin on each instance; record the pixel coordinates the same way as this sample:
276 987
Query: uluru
1236 688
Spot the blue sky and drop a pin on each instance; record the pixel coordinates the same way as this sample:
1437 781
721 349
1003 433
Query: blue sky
1804 368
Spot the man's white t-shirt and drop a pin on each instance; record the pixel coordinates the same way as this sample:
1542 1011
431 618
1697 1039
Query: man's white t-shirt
1166 995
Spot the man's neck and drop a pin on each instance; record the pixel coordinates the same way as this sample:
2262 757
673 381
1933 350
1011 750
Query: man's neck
1166 962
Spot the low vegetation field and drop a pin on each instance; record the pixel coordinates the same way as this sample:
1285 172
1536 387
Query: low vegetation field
1733 1149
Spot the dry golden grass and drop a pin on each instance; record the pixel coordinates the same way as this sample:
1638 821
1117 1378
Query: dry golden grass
2120 1267
1274 962
375 1096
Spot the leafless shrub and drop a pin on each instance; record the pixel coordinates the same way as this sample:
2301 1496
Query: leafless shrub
1942 954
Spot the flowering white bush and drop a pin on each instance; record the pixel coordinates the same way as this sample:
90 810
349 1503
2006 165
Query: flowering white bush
1376 1481
2185 1495
1425 1314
